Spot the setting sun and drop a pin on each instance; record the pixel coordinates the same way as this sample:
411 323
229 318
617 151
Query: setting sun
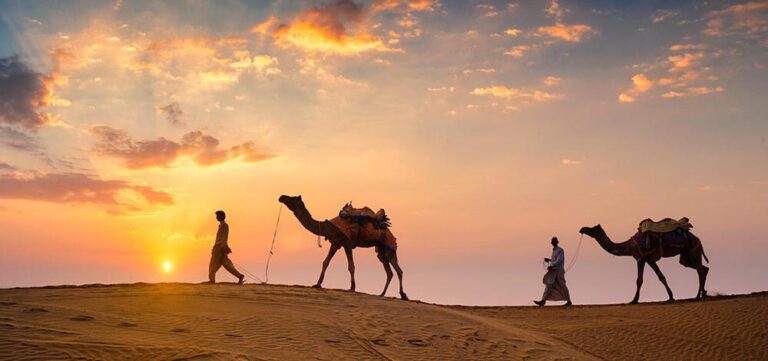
167 266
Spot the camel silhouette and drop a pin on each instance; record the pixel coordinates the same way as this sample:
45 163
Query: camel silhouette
690 256
337 238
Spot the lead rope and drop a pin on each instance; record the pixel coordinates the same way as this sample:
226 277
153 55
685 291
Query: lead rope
576 255
271 249
246 272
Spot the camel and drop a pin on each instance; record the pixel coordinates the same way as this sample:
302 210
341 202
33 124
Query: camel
338 239
690 256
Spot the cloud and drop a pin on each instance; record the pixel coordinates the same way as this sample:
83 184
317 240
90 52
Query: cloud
479 70
516 96
747 19
570 33
673 94
5 167
570 162
265 26
555 10
489 10
661 15
80 188
679 47
551 81
518 51
260 64
339 27
172 111
411 5
684 61
702 90
203 149
23 92
513 32
640 85
20 141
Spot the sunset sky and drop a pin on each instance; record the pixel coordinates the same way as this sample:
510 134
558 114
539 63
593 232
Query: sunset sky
483 128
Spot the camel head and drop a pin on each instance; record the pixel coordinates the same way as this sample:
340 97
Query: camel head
592 231
293 203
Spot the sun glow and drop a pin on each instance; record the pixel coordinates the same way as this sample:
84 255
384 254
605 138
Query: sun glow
167 266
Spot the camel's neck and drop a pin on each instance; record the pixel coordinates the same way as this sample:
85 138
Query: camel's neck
616 249
312 225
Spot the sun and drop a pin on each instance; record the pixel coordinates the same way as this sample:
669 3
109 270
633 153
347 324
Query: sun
167 266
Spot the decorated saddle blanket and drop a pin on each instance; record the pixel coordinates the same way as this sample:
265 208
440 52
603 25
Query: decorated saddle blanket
365 215
665 225
365 227
650 241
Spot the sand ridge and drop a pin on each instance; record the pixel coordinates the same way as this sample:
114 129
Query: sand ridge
266 322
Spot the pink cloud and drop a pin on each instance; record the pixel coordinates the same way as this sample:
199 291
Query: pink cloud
203 149
79 188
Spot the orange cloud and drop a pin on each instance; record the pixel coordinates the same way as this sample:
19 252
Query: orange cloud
339 27
80 188
518 51
570 33
513 32
555 10
202 148
640 85
701 90
265 26
570 162
516 95
678 47
684 61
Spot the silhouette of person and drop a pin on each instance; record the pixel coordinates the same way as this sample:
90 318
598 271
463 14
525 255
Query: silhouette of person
554 280
221 250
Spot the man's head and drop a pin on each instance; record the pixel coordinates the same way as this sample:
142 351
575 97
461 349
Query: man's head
555 241
220 215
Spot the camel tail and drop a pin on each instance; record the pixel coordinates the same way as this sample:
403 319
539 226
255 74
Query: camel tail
704 254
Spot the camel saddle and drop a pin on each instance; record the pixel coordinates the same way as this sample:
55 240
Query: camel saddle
665 225
365 215
365 226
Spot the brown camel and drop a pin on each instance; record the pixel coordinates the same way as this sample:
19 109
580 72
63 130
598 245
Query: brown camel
338 239
690 256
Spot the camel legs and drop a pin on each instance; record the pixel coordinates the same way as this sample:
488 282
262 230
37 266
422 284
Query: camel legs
662 279
326 262
387 269
640 269
702 270
351 263
399 276
693 259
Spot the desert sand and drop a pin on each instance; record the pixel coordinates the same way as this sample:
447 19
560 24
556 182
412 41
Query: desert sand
265 322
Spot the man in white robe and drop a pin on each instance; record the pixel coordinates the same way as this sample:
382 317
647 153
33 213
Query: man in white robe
554 281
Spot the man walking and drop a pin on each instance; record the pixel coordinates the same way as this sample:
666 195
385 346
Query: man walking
554 280
220 251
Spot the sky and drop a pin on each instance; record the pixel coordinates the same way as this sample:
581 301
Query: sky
483 128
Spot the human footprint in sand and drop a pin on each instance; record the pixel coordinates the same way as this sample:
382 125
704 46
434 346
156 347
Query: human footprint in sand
555 289
220 251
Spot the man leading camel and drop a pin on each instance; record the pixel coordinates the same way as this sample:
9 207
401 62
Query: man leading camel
221 250
555 289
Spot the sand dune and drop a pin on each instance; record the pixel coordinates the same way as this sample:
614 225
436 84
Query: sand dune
259 322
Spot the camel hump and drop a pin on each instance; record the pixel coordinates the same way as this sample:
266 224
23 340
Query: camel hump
665 225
